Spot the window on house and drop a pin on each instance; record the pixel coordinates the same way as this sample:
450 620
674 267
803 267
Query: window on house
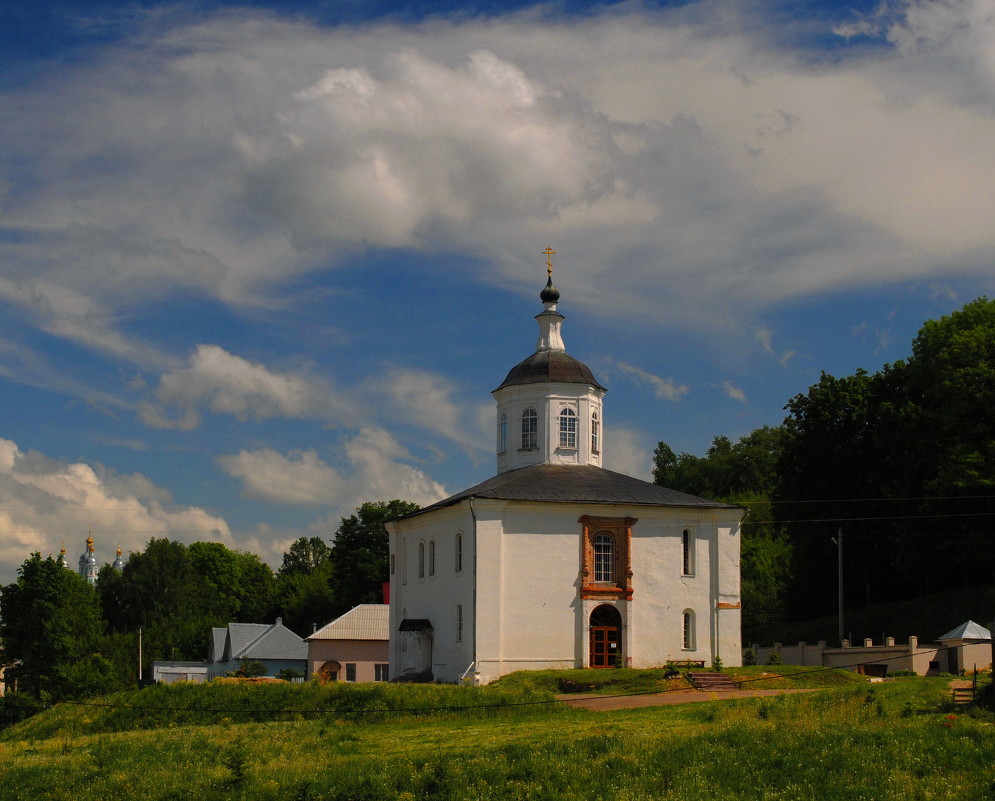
595 433
568 428
503 433
687 552
459 623
604 558
459 552
688 643
530 429
431 557
380 672
421 560
350 671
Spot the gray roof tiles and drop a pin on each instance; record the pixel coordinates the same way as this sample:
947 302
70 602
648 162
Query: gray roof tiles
551 483
550 366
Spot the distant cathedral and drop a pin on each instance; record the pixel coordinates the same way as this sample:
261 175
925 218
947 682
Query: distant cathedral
88 566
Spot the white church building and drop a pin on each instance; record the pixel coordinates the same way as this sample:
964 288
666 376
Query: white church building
556 562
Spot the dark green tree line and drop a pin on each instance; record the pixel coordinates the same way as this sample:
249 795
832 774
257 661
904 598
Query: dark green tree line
73 639
902 460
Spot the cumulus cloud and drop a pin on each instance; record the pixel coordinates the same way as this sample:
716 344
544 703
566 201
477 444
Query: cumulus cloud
686 165
225 383
47 503
626 452
425 399
372 467
665 388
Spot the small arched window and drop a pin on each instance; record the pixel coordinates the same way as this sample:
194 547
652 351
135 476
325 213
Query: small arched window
688 642
595 433
568 428
604 558
404 560
530 429
431 557
459 552
459 623
503 433
687 553
421 560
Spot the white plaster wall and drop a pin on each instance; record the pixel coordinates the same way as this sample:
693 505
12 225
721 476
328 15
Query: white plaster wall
434 598
548 400
528 613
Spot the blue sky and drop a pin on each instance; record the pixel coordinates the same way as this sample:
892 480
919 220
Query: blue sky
260 263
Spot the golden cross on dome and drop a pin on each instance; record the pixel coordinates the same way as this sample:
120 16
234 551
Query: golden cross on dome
549 264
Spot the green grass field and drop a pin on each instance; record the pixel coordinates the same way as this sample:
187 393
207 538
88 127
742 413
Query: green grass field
849 741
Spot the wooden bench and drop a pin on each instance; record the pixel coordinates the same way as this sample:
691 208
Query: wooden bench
688 663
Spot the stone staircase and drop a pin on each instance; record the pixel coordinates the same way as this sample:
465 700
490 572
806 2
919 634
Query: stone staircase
711 682
963 695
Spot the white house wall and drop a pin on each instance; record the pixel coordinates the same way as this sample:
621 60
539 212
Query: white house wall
432 597
528 610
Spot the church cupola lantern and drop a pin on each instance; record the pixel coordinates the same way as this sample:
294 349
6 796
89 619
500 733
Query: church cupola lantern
88 566
549 407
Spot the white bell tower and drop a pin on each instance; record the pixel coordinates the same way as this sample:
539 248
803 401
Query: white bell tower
549 407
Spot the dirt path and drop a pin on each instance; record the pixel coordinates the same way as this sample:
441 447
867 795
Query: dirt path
606 702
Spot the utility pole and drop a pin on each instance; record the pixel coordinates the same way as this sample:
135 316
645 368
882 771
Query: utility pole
838 542
139 656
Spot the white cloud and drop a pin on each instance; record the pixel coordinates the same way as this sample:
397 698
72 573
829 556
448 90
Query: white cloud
766 339
228 384
298 478
685 165
372 467
734 392
626 452
665 388
45 503
425 399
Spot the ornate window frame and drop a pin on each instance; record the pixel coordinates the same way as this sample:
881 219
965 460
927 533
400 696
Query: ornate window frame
620 531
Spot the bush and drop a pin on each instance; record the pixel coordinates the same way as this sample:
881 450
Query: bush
749 658
903 674
774 658
248 670
289 674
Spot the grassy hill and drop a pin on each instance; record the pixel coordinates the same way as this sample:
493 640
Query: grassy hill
888 742
927 618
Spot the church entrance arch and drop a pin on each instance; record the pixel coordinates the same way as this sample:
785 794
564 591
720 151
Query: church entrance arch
605 636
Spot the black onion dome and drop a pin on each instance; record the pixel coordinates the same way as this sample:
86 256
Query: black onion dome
550 366
549 294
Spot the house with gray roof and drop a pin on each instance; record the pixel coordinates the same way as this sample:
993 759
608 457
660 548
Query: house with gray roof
274 645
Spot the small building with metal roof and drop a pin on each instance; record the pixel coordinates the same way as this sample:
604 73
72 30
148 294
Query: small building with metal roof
353 647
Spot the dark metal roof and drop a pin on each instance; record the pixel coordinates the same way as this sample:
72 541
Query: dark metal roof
561 483
415 624
550 366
